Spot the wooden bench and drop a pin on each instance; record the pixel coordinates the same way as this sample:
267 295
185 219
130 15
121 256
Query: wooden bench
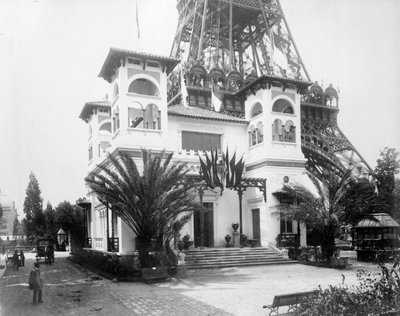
291 300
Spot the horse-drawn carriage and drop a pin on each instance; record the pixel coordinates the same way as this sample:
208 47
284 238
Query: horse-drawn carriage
45 250
15 258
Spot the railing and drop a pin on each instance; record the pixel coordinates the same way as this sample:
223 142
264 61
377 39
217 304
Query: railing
113 244
288 240
98 243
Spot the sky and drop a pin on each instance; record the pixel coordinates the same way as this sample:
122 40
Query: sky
51 52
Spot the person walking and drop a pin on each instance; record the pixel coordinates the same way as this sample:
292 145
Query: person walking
36 283
16 260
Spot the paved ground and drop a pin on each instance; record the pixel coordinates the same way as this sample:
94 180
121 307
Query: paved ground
231 291
69 290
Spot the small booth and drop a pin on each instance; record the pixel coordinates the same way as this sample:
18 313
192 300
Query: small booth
62 240
373 237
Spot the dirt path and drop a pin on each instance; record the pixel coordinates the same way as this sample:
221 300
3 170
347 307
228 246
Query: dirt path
67 291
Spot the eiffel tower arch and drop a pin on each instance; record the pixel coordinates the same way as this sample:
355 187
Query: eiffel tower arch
229 48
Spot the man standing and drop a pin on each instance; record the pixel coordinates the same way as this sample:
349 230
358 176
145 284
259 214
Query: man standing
35 283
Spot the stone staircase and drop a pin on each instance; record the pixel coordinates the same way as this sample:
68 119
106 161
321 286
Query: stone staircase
232 257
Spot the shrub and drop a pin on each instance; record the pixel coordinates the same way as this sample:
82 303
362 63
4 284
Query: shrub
108 265
293 252
375 294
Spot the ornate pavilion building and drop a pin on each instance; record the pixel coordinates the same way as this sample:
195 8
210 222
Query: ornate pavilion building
235 80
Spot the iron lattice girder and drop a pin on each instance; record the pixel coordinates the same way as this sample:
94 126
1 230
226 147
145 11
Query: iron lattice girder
328 150
237 35
328 132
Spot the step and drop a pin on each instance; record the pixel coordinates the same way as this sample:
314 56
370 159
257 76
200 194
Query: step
231 257
236 261
239 264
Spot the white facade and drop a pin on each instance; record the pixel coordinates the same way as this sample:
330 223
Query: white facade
137 116
9 216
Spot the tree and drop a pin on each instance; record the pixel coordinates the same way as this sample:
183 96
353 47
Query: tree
360 200
387 167
396 200
17 227
1 211
319 212
70 218
149 202
49 215
35 224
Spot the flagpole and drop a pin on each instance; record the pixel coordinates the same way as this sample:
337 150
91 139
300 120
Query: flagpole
138 48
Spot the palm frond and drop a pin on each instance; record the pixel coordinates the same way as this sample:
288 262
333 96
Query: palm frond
147 201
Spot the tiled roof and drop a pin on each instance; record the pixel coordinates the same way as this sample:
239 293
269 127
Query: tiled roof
89 106
199 113
383 220
115 54
133 53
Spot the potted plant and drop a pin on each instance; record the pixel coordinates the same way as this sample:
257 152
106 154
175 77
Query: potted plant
228 240
235 226
181 245
187 242
243 240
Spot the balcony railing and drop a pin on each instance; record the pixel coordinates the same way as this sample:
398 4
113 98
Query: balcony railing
98 243
288 240
113 244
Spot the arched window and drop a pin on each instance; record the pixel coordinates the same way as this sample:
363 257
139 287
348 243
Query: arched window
256 134
135 115
148 118
282 106
289 132
283 132
143 86
256 110
152 117
105 127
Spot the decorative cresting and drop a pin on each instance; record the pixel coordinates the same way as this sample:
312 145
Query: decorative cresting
324 145
228 44
227 173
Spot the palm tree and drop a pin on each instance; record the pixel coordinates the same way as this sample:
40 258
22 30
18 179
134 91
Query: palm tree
149 202
321 211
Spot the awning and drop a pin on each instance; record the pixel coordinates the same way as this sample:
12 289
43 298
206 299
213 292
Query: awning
382 220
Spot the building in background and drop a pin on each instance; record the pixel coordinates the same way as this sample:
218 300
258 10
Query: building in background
9 216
